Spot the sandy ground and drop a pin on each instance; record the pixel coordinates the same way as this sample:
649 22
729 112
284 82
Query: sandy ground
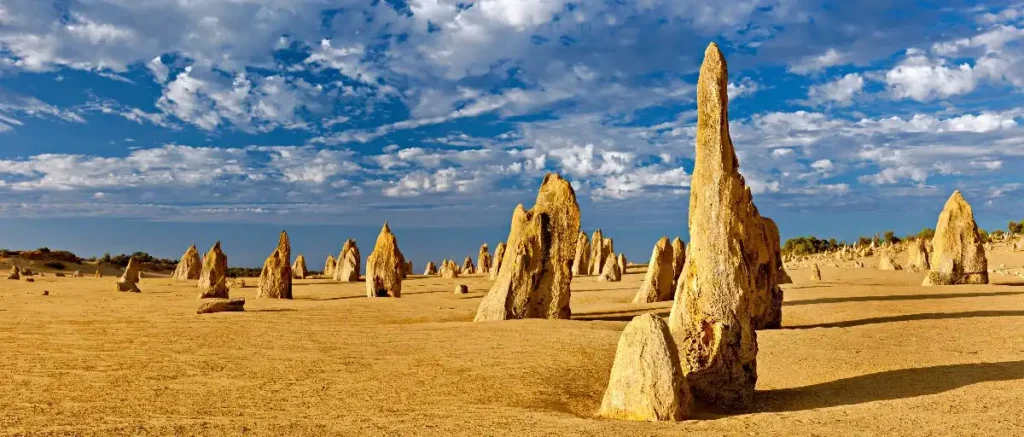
863 353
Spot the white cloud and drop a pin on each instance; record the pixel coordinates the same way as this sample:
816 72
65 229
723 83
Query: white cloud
816 63
841 91
208 100
745 87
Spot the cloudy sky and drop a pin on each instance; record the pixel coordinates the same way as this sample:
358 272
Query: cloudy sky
148 124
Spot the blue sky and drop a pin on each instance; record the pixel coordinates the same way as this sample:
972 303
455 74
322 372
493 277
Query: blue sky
148 124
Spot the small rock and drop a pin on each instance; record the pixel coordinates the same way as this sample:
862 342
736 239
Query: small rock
461 289
45 292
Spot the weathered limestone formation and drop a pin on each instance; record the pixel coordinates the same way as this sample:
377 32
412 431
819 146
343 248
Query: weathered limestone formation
499 253
775 244
678 259
408 269
621 260
190 266
461 289
467 266
276 278
329 267
77 274
220 305
213 278
430 270
449 270
727 288
611 272
608 248
346 268
98 274
1019 245
535 273
958 254
483 260
646 383
657 286
127 281
815 273
299 268
887 260
15 273
384 266
581 261
597 253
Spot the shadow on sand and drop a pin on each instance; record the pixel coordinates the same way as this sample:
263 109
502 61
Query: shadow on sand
620 316
897 297
910 317
894 384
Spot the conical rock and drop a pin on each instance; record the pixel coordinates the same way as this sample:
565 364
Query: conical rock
276 278
212 279
958 253
646 382
384 266
657 286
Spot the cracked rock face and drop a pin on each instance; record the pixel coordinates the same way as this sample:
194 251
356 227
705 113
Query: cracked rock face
958 254
727 288
536 269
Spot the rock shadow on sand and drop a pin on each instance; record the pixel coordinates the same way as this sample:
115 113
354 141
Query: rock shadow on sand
826 300
620 316
910 317
884 386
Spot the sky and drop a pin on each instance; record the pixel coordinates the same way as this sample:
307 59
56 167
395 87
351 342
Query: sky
150 124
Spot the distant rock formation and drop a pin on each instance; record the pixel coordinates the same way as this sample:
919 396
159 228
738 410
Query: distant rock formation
621 261
346 268
299 268
657 286
449 270
678 259
917 256
483 260
213 278
887 260
958 254
499 255
611 271
581 260
467 266
646 382
190 266
815 273
128 281
461 289
15 273
534 281
430 270
329 267
276 278
384 266
597 253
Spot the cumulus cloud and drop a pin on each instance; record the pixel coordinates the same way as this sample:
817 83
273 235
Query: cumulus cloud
841 91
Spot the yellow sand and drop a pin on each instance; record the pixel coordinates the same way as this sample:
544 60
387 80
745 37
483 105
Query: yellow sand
864 352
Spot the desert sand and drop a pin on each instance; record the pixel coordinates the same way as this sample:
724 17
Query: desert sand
864 352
